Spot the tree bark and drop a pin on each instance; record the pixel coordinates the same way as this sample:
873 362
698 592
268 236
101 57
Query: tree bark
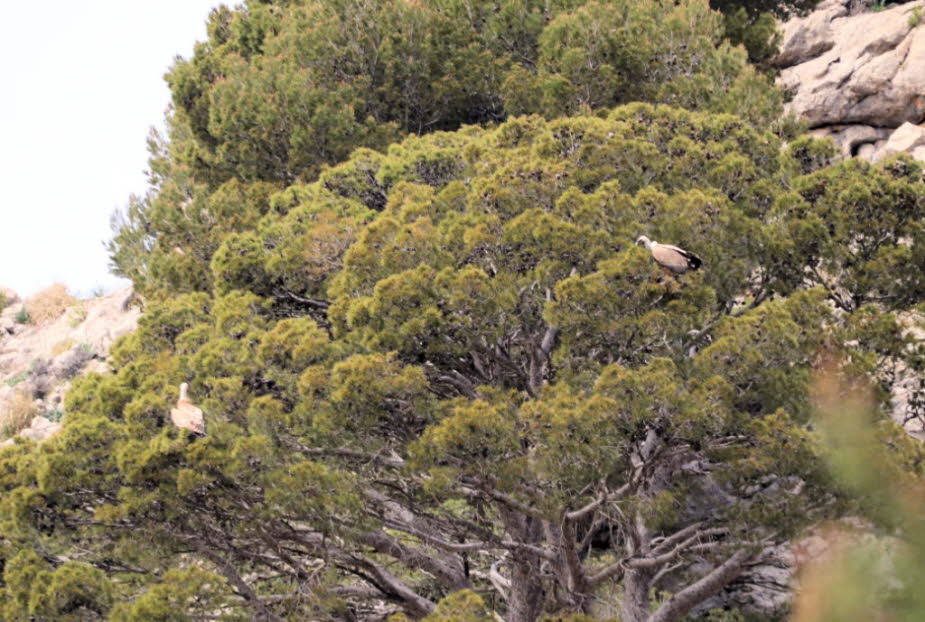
636 585
682 602
526 597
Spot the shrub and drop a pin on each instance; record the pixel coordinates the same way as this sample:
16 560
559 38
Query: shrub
74 361
49 304
915 17
18 378
77 314
23 316
19 412
61 347
41 377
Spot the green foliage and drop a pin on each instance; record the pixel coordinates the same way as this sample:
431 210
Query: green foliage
411 365
12 381
22 317
462 606
753 23
757 33
780 8
434 365
642 51
282 90
178 596
37 590
915 20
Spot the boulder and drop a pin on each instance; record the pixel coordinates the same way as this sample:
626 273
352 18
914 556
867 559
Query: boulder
866 69
866 152
851 138
805 38
908 138
41 429
41 360
70 363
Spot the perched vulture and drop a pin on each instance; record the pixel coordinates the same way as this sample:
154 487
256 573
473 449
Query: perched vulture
671 258
187 416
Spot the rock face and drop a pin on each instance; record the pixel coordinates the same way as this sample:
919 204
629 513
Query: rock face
38 362
856 78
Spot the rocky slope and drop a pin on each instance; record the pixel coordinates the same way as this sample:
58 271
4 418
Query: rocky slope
38 361
859 78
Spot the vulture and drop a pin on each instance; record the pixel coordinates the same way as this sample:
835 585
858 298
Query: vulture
187 416
671 258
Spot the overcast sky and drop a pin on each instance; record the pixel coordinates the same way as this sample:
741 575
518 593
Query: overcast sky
82 81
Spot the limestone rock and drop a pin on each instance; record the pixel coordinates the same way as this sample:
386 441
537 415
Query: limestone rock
851 138
40 360
41 429
864 69
804 38
908 138
866 152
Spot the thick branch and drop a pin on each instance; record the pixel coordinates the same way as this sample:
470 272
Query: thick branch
452 578
682 602
311 302
613 570
392 461
593 505
415 604
507 500
240 585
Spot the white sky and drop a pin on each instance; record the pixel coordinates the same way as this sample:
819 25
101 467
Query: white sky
81 81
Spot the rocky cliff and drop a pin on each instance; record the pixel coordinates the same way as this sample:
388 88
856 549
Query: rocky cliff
41 352
859 78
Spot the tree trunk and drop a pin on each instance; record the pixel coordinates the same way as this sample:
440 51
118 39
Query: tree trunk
525 599
636 584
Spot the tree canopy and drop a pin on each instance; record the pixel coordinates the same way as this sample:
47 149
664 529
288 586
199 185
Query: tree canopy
390 247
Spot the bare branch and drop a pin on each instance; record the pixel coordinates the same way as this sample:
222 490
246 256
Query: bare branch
499 581
613 570
415 604
311 302
240 585
450 576
682 602
394 461
590 507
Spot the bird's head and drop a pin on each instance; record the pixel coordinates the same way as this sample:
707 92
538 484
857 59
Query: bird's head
643 241
183 389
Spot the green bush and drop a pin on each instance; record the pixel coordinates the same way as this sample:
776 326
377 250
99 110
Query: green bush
423 357
915 17
282 90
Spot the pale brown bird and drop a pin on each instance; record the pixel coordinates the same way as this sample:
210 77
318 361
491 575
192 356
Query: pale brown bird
673 259
186 415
